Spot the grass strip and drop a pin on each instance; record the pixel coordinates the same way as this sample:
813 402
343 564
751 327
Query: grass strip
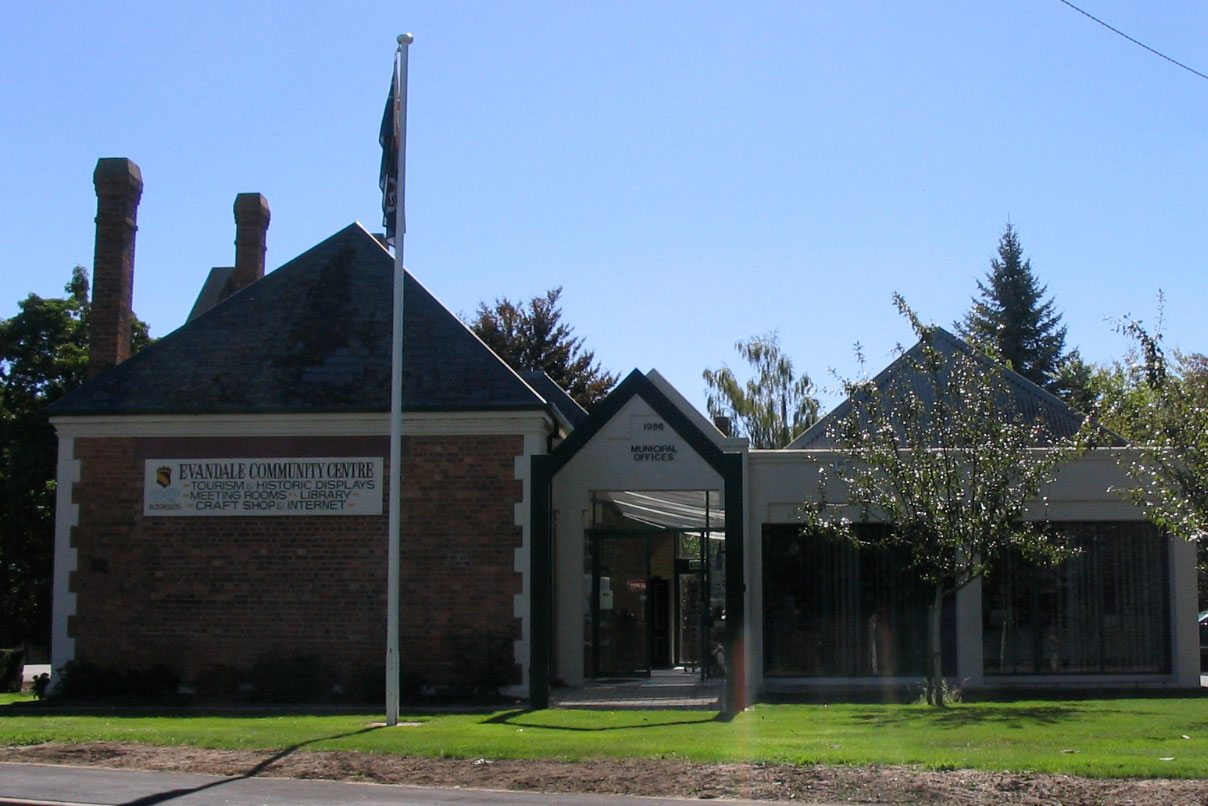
1165 738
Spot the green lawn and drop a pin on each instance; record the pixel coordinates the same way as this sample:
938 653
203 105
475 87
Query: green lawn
1128 737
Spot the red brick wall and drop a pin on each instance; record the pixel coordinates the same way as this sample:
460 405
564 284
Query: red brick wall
192 592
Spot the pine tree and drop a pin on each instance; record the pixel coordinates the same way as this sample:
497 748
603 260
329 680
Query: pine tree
1012 320
532 336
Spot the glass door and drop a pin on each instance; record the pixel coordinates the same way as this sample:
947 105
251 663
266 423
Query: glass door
621 605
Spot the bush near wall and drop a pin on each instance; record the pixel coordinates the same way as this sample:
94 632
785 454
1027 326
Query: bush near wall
279 678
90 681
12 662
483 663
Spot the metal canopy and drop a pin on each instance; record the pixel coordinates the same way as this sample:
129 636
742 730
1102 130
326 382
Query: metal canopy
682 510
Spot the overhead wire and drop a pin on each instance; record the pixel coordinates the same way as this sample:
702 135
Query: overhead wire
1134 41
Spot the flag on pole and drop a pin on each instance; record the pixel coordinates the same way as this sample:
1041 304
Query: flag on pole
388 178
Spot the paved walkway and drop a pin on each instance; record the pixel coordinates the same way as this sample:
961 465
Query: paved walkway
665 688
39 785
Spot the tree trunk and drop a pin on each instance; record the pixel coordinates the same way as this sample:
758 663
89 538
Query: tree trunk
935 656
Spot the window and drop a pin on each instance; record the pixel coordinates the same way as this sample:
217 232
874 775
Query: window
832 609
1104 611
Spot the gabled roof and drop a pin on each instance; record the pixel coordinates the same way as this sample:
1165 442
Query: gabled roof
707 441
312 336
1024 397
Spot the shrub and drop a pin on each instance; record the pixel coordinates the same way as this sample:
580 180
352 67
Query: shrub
90 681
410 685
367 684
218 680
81 680
484 663
290 678
11 663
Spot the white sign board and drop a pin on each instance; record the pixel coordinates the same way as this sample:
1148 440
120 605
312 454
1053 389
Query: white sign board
293 486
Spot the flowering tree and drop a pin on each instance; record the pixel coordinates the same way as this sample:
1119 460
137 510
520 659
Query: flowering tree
943 453
1160 403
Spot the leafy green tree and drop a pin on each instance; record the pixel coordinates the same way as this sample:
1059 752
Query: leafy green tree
1012 321
773 406
939 452
532 336
43 356
1159 402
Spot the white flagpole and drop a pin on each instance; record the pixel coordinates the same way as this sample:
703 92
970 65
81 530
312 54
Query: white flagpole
396 391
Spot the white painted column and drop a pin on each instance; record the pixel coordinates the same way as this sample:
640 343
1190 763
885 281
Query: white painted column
67 516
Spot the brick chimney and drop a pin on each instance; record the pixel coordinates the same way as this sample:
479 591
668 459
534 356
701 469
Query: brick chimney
251 228
119 186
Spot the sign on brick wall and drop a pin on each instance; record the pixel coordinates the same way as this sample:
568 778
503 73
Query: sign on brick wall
293 486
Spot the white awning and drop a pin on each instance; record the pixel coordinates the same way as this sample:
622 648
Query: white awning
684 510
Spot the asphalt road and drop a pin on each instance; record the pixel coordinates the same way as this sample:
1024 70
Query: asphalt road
42 785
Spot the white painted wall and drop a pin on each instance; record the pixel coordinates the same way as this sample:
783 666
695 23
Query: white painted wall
67 515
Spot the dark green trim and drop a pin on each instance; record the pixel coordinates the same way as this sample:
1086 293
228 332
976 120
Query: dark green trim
736 587
541 594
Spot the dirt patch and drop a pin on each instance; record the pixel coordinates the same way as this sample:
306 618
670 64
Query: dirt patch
635 776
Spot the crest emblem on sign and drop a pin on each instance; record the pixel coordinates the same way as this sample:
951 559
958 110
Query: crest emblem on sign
163 476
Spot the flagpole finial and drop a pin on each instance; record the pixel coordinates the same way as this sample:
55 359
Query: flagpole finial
405 39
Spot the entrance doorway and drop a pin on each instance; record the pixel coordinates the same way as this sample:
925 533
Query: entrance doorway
657 593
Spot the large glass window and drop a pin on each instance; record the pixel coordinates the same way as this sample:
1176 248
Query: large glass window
832 609
1105 610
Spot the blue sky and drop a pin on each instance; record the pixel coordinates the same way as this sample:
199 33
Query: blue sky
691 174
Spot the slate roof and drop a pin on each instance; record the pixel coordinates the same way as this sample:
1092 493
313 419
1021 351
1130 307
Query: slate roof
312 336
558 397
217 287
1023 396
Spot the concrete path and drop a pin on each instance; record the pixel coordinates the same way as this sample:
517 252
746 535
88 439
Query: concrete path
664 688
47 785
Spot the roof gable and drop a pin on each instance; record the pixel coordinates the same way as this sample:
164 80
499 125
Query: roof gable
1032 402
638 385
312 336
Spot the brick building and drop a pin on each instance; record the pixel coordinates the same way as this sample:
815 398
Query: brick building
163 556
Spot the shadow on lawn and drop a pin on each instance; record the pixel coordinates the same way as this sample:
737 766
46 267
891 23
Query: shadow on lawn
172 794
516 718
976 715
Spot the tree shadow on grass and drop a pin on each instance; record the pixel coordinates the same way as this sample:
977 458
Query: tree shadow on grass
518 719
978 715
172 794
